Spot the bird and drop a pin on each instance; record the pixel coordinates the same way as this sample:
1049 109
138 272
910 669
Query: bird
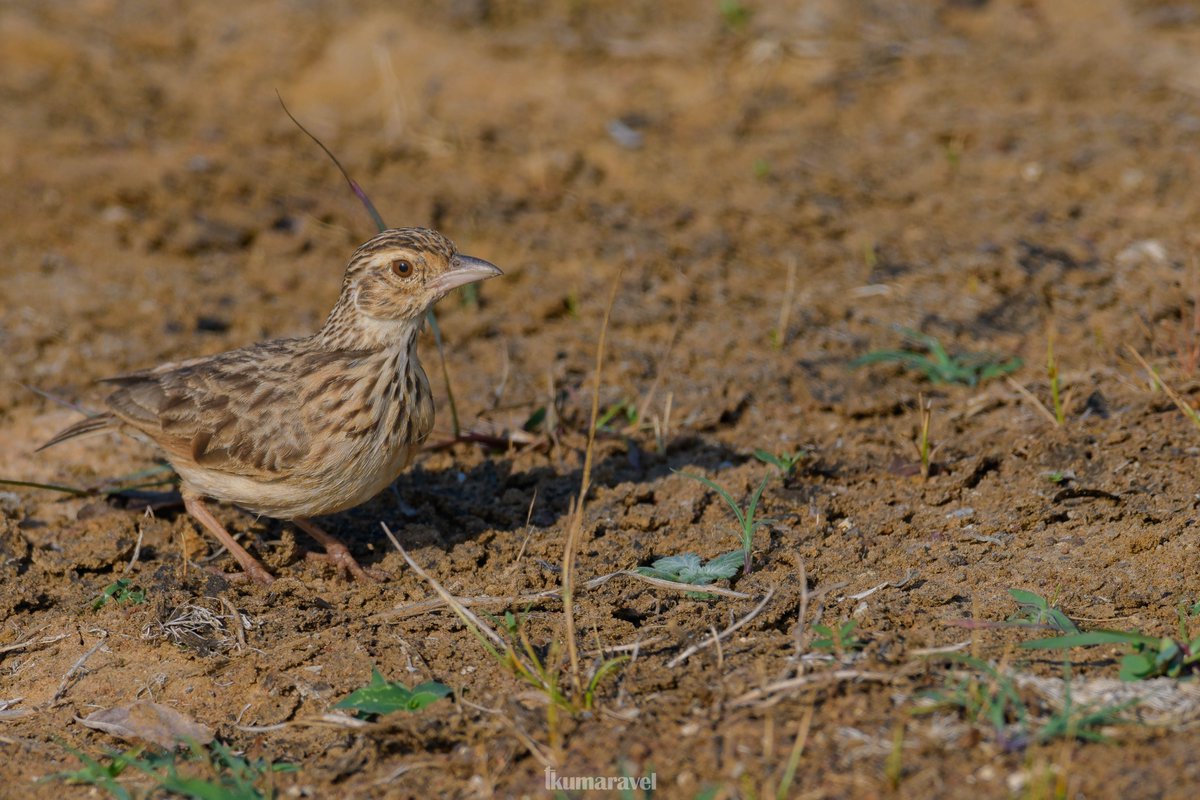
302 427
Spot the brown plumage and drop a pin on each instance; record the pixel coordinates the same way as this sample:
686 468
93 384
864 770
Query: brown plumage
296 428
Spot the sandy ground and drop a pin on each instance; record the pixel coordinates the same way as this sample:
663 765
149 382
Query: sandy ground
776 189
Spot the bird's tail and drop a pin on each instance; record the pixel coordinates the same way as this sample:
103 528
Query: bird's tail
84 426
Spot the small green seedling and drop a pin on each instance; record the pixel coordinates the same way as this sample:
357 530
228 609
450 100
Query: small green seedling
938 366
983 696
784 462
233 777
120 591
381 696
101 776
1060 414
623 408
735 14
841 639
1036 612
1081 722
686 568
745 517
1149 656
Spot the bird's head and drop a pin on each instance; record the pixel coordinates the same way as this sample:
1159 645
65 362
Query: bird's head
399 273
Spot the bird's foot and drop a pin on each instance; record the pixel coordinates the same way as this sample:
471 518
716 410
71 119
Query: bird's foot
338 554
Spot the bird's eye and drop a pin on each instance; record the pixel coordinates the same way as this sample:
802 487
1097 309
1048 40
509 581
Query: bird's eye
402 267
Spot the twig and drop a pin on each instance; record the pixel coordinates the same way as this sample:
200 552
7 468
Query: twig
465 614
686 654
137 548
425 606
817 678
575 531
77 666
1038 405
328 720
800 629
31 642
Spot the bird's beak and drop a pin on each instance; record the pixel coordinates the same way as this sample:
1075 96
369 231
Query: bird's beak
464 270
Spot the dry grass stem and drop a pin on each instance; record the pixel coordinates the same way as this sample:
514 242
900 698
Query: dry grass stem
774 690
469 618
1038 405
1178 400
686 654
78 667
575 529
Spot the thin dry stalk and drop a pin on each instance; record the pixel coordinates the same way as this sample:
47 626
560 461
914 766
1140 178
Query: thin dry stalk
528 531
801 631
469 618
793 762
1179 402
644 407
1038 405
691 651
785 311
575 531
77 666
425 606
137 548
32 642
774 689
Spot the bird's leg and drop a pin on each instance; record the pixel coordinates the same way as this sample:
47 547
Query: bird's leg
337 553
255 570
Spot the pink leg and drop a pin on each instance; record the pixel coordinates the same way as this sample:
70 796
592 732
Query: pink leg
256 571
338 553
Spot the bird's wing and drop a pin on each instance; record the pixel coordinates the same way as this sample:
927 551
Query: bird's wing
245 412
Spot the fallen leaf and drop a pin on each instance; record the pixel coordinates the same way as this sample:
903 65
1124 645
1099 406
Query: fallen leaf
151 722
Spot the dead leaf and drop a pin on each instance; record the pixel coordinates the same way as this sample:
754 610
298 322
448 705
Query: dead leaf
152 722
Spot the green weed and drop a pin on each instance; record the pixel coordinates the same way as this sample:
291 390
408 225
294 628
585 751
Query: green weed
840 639
381 696
745 517
938 366
211 773
786 463
735 14
1036 611
987 696
120 591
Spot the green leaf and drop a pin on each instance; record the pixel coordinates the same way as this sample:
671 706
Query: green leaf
381 696
1091 638
1028 598
122 591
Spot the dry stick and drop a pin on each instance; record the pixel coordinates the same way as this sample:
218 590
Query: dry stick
837 676
644 407
800 637
528 530
1038 405
78 665
575 531
785 311
137 548
424 606
465 614
686 654
31 642
1179 402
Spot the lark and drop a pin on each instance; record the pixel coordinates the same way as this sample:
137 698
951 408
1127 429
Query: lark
300 428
